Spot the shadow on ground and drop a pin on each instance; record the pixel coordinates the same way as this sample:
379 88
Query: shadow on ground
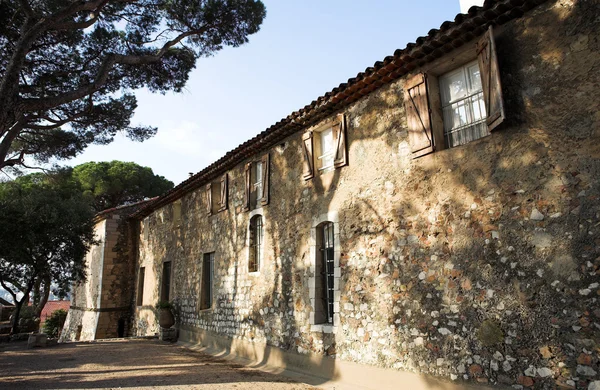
125 364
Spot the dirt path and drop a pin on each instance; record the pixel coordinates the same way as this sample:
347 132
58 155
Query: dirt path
147 364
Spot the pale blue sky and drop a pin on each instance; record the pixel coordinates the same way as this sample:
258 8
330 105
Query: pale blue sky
304 49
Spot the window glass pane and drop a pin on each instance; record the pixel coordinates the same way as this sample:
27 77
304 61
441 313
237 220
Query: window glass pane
474 78
463 108
453 86
327 141
258 172
326 148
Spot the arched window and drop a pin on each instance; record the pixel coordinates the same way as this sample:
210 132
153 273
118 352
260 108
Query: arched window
324 274
255 243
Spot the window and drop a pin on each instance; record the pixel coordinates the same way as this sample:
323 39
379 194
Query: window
257 183
216 195
165 288
257 180
324 275
324 147
456 100
140 289
463 109
325 152
206 288
255 243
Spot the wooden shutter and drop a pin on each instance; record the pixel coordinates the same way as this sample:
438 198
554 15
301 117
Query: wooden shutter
339 137
224 190
309 161
208 199
248 168
416 104
490 79
264 199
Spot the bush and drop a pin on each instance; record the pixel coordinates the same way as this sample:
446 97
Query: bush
55 322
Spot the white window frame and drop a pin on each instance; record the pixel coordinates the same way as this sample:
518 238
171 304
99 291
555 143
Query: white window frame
312 287
464 70
257 183
323 156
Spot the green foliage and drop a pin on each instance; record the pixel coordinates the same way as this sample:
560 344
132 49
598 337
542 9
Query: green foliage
110 184
55 322
163 305
69 69
46 230
27 313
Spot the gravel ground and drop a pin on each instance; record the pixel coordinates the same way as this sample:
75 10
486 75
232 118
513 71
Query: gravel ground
147 364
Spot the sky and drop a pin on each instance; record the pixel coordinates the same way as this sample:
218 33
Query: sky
303 50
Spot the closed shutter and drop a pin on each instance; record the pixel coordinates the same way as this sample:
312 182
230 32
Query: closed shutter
224 190
416 104
339 137
264 199
309 161
490 79
208 199
247 187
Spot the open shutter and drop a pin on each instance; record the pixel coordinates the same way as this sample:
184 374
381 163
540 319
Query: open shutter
264 199
339 137
208 199
224 190
416 104
247 187
309 161
490 79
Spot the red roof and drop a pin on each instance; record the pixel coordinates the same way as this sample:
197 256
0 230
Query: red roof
52 306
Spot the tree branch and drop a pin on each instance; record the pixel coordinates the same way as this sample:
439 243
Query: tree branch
27 8
9 137
107 64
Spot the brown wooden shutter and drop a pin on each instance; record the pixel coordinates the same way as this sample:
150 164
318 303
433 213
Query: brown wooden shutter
490 79
416 104
248 169
339 136
208 199
309 161
224 190
264 199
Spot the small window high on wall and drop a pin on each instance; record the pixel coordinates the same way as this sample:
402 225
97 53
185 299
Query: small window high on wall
324 147
256 192
463 108
456 99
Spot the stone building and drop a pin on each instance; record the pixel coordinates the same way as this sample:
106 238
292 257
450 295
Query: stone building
438 214
101 306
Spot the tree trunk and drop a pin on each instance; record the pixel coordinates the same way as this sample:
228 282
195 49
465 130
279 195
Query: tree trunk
41 296
16 316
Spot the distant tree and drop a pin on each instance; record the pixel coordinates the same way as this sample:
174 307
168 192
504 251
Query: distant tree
68 67
46 229
110 184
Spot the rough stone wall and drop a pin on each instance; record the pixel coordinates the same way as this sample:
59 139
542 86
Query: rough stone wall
104 299
82 318
477 263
